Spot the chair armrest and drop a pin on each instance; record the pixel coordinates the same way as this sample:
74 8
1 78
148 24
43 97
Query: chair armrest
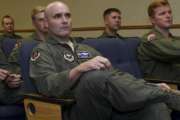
153 80
172 84
62 101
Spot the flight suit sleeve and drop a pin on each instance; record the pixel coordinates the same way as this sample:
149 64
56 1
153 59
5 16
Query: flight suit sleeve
165 49
47 79
3 59
9 95
13 61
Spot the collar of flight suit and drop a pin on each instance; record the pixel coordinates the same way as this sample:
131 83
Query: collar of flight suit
106 35
56 41
35 37
158 34
10 35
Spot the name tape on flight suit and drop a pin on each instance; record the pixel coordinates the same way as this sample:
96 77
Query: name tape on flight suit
83 55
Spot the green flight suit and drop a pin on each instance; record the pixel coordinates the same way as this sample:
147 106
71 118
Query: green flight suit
98 93
8 35
159 57
106 35
9 95
10 63
34 37
13 58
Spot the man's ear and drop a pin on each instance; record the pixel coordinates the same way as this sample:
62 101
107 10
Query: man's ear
45 22
33 22
105 20
152 20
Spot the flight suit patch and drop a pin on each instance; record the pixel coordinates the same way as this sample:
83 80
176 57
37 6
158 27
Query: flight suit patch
83 55
151 37
69 57
35 55
18 44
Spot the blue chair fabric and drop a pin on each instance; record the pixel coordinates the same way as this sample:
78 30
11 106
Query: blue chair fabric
25 53
8 45
121 52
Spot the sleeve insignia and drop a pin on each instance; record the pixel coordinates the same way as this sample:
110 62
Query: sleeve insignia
151 37
35 55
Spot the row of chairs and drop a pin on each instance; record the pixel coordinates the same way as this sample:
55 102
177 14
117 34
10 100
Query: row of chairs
122 54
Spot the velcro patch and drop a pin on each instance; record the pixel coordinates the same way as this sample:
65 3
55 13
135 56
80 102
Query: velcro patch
83 55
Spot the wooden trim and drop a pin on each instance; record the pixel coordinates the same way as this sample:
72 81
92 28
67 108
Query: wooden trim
125 27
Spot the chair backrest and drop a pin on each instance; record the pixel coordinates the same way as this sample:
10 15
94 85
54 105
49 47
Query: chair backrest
8 45
25 53
121 52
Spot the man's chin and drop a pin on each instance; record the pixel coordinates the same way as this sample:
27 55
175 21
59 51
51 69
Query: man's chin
10 31
64 35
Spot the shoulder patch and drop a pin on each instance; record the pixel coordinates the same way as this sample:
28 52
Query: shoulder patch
35 55
18 44
151 37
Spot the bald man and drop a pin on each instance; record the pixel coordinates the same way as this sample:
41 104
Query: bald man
62 68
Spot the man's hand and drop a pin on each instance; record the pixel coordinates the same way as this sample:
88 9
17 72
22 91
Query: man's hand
95 63
3 74
13 80
164 87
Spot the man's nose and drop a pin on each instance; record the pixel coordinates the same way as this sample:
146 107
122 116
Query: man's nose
169 15
64 19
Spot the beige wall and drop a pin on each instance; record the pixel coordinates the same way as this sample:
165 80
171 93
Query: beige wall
87 13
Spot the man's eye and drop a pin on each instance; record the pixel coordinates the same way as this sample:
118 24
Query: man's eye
57 16
68 15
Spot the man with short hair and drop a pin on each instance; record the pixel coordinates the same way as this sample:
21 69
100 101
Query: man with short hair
112 22
159 50
62 68
8 28
37 16
9 34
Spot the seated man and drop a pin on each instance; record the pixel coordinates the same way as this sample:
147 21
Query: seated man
62 68
159 50
112 21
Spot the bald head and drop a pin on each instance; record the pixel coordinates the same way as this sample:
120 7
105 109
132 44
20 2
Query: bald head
54 6
58 18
